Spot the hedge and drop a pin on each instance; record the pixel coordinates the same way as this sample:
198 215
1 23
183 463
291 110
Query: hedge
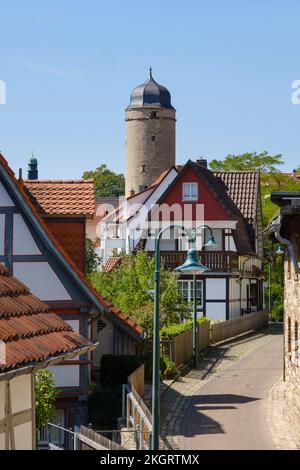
168 332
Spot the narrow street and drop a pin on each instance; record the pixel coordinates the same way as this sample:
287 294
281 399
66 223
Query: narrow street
226 400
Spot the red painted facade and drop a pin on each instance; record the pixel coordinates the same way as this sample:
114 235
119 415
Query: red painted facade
212 208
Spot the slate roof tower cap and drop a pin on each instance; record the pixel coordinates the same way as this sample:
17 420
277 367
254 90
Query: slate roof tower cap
150 93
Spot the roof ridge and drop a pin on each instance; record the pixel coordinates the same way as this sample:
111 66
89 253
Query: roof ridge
20 186
59 181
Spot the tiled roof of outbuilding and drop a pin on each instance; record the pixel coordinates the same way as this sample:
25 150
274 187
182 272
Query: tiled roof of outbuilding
242 187
59 197
29 332
112 263
97 297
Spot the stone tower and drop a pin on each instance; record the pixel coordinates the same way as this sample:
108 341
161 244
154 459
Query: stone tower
150 135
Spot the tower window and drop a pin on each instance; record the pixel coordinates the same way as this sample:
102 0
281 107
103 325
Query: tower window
153 138
143 168
153 114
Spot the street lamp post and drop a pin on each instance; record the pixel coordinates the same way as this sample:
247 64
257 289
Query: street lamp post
191 266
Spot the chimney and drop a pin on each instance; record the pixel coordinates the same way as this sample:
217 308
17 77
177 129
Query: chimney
20 173
294 174
202 162
33 168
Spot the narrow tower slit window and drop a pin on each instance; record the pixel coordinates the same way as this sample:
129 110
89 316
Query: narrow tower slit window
153 138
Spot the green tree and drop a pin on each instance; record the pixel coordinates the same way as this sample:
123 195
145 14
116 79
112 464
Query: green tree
92 260
130 287
253 161
106 182
270 182
45 396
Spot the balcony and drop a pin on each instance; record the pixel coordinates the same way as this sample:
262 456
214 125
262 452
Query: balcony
219 261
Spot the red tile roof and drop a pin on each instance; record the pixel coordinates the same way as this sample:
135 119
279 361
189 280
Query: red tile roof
243 188
103 302
112 263
69 197
30 332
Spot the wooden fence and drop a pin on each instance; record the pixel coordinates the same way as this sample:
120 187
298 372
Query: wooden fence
180 348
137 379
230 328
138 418
91 440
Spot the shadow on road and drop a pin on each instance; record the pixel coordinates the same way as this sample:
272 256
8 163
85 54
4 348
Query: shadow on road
203 424
191 416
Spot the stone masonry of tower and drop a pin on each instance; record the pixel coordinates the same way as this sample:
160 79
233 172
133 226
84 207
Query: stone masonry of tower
150 126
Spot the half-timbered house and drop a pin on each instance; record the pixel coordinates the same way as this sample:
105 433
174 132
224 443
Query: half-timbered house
31 337
193 196
42 239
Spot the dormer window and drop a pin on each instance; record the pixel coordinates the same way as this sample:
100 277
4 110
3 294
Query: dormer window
190 191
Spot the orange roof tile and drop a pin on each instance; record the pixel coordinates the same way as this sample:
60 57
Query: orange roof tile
30 332
20 185
58 197
112 263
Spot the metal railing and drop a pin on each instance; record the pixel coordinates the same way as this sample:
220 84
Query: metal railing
137 416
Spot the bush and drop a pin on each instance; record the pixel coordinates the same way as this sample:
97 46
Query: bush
175 329
104 407
114 369
167 368
277 310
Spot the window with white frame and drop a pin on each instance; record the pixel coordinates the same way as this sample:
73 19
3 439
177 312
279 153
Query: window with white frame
229 244
186 288
190 191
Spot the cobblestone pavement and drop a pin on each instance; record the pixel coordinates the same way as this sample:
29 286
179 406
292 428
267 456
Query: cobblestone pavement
282 433
208 408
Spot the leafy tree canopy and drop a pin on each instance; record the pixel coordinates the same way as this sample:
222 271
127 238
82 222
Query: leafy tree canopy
130 287
45 396
263 162
92 260
274 182
106 182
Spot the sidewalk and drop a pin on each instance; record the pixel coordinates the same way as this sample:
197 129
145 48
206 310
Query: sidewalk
282 433
176 399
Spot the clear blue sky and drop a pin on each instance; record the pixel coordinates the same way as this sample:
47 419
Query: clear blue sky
70 65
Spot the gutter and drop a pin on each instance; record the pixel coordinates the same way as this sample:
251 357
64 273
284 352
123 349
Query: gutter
285 241
28 369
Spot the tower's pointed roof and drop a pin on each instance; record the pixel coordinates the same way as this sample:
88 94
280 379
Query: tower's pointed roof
150 93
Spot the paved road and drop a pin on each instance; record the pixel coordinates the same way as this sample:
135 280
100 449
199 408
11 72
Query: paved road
229 412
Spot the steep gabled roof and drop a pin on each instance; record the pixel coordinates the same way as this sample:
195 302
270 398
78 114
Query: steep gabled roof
30 334
243 188
243 236
58 197
143 196
53 245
